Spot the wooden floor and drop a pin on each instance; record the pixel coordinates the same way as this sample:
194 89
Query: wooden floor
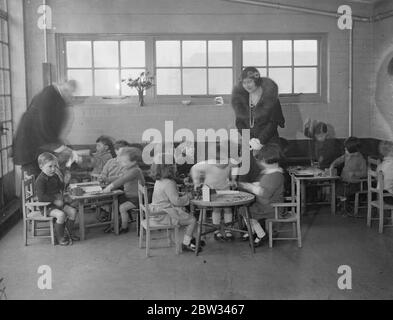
110 267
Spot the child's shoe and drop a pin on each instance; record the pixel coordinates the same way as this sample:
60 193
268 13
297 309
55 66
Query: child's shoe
229 236
219 237
202 242
191 248
259 241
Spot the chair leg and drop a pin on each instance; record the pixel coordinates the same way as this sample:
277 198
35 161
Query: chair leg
169 237
356 209
177 242
369 212
381 219
299 234
148 243
270 234
25 231
141 233
33 229
52 233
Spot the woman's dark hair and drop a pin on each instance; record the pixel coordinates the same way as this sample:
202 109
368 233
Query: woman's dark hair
121 144
321 127
352 144
161 170
252 73
270 153
107 141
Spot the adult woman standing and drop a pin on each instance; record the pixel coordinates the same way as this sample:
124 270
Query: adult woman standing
257 108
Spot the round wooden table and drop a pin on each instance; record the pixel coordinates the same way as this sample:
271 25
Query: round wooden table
232 199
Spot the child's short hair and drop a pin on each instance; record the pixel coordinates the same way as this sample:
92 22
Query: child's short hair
107 141
270 153
133 154
121 144
320 128
386 148
352 144
162 169
45 158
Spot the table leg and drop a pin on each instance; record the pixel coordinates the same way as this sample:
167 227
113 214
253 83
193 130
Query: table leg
200 224
249 228
82 220
115 213
303 196
293 186
333 197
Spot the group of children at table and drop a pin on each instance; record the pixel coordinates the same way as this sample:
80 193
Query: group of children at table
123 171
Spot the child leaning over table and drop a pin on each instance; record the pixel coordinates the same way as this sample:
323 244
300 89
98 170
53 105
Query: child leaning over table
217 175
49 187
104 152
355 168
128 159
269 190
166 198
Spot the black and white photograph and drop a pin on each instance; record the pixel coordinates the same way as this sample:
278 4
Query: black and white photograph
196 155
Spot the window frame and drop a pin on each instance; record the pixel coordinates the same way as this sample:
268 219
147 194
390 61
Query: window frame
237 65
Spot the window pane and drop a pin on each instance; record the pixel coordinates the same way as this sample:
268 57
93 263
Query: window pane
107 83
4 161
106 54
2 84
220 81
194 81
306 80
79 54
7 82
8 110
168 82
254 53
3 5
220 54
127 74
283 77
4 30
3 115
5 57
132 54
194 53
280 52
168 53
306 52
84 81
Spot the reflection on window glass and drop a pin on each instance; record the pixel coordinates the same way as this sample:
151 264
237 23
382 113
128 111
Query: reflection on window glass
84 79
220 53
106 54
306 52
254 53
107 83
168 82
79 54
194 81
306 80
194 54
133 54
168 53
280 52
283 77
220 81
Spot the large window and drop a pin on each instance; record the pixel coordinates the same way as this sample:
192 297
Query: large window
200 65
6 128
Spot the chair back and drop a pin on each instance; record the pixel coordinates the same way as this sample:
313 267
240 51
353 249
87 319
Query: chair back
375 180
143 203
28 193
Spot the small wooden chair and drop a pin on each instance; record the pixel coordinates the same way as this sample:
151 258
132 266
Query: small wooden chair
376 186
294 218
145 224
32 212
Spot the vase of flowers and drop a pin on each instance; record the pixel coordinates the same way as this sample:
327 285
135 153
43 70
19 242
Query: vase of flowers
144 82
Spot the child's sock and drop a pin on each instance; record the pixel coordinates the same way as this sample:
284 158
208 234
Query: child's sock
259 230
187 240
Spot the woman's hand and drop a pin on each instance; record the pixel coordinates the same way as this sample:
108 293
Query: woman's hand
67 177
58 203
255 144
108 189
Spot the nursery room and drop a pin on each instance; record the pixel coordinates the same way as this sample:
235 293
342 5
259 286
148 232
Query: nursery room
196 150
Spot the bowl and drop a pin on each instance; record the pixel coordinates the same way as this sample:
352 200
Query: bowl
186 102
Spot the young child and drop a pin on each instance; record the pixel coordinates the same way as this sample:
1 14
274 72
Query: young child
166 198
217 174
270 189
128 159
355 168
49 188
104 152
386 150
112 169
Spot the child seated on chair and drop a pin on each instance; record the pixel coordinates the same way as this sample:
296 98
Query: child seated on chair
166 198
355 168
217 174
386 166
104 152
128 159
112 169
269 190
49 187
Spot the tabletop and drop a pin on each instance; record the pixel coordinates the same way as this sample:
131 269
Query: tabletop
97 195
231 199
311 173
